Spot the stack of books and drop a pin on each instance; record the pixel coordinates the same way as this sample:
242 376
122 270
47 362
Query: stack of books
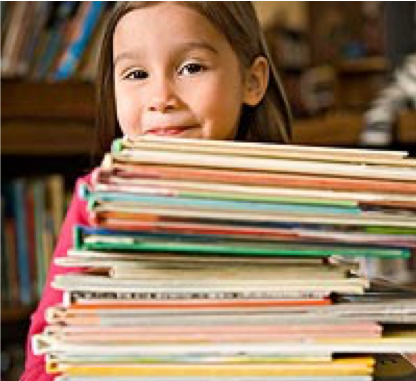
223 260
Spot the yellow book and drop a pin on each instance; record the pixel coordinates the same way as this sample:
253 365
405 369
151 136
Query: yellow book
354 366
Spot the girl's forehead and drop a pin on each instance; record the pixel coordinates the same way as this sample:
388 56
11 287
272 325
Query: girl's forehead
163 24
166 10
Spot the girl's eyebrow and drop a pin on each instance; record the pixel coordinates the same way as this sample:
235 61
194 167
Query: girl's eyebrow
195 45
183 48
129 55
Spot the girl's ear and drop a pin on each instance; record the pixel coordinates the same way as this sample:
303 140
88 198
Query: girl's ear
256 81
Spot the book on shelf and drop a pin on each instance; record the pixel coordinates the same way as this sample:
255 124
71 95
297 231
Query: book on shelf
87 18
56 42
33 210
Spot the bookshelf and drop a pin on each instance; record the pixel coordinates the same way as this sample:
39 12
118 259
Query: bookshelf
24 99
330 129
22 139
406 130
44 149
343 128
66 128
13 314
14 330
47 131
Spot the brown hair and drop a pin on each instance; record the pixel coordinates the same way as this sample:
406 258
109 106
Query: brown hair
269 121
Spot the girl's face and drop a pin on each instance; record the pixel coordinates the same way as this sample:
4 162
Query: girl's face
175 75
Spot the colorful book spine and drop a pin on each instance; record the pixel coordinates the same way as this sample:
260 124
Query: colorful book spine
76 48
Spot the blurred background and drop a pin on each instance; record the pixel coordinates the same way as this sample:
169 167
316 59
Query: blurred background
349 70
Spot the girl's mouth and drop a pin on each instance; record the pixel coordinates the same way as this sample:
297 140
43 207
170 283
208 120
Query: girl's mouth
167 131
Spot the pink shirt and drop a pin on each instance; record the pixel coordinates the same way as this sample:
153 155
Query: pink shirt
77 214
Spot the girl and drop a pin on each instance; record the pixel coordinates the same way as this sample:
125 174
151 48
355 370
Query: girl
176 69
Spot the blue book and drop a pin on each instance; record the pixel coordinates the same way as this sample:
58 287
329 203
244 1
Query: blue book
60 15
14 194
77 47
254 206
5 283
19 211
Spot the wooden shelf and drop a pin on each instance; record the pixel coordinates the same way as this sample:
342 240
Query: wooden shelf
63 100
365 65
12 314
344 128
333 129
48 119
406 129
59 139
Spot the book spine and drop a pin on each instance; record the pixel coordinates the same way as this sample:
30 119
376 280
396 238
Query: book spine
5 283
22 241
73 296
75 50
117 145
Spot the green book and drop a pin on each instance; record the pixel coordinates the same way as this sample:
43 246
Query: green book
99 239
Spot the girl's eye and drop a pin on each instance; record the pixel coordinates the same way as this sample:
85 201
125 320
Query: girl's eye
191 68
137 74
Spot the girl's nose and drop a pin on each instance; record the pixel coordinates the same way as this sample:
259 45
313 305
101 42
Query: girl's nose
163 97
162 105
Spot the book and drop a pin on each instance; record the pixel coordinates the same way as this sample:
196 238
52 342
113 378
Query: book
88 282
258 370
88 18
148 155
201 264
100 239
112 170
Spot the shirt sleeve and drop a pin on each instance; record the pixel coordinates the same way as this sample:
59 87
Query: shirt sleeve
76 214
